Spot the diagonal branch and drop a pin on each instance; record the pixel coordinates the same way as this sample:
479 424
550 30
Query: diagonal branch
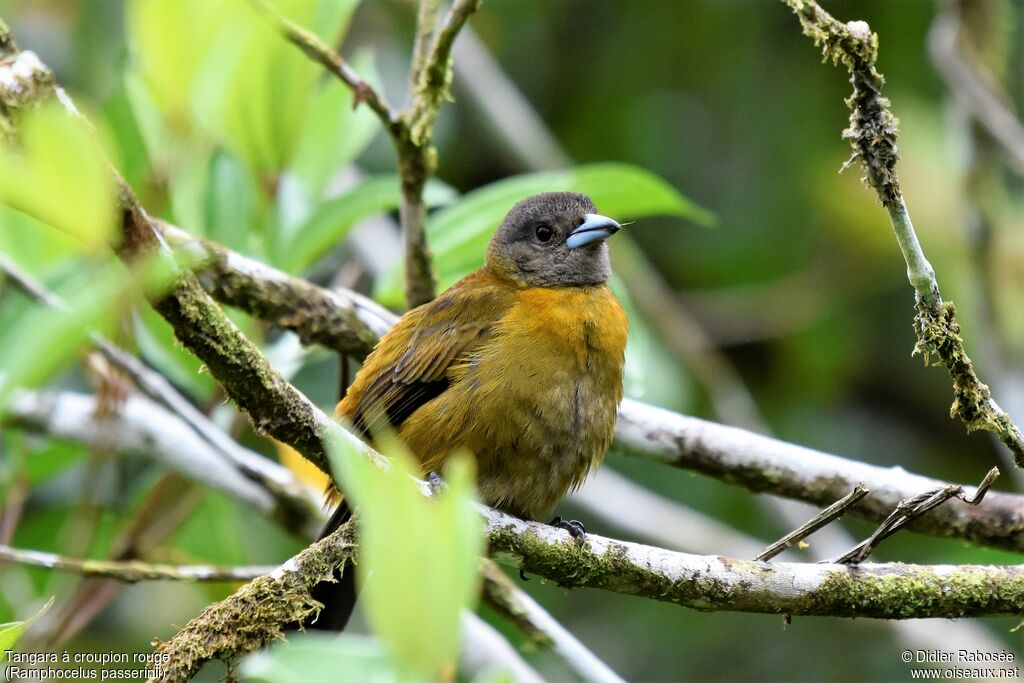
872 134
320 52
824 518
913 508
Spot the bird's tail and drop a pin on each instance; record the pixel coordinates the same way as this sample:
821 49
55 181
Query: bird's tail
339 596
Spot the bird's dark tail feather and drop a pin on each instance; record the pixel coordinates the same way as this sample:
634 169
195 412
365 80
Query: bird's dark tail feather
339 596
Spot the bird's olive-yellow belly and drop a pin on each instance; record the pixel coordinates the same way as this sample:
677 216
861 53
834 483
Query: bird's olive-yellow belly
535 427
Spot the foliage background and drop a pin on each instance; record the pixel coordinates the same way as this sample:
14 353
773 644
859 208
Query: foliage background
800 283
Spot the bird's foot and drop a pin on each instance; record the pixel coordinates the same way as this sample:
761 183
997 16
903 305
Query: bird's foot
435 482
574 527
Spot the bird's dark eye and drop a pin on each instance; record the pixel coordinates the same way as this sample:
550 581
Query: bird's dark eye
544 233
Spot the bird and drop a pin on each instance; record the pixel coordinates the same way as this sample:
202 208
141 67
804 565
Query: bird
520 363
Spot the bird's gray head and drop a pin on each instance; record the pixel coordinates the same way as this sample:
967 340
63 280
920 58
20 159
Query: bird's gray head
552 239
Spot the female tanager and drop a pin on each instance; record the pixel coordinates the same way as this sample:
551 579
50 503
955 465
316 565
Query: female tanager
519 363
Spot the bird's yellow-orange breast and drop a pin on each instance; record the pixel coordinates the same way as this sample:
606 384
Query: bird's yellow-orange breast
536 402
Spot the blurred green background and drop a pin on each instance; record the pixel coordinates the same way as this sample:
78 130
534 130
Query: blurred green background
798 288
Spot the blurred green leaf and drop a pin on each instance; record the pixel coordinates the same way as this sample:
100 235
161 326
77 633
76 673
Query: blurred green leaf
58 176
254 89
42 340
170 41
230 203
51 458
335 217
321 658
38 249
458 234
11 633
334 133
134 163
421 584
212 532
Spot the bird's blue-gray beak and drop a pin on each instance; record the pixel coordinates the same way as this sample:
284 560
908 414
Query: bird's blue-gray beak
594 227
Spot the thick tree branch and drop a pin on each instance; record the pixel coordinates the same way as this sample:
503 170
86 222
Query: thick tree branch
872 134
343 321
888 591
129 571
767 465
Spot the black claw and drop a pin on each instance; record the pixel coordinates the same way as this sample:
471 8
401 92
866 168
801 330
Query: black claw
523 576
574 527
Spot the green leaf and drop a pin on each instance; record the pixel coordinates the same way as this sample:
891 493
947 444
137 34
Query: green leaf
58 176
318 658
42 340
170 41
421 584
35 247
230 203
255 88
334 132
458 234
335 217
12 632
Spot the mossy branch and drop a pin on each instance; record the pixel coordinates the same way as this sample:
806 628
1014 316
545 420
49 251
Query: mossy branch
872 134
257 613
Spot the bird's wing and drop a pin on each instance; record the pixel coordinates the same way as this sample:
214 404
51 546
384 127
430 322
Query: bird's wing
410 365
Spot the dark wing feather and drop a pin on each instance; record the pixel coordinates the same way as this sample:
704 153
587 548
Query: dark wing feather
443 332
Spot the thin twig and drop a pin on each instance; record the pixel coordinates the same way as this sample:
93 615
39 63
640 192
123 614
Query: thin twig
826 516
320 52
911 509
130 571
28 285
426 20
872 134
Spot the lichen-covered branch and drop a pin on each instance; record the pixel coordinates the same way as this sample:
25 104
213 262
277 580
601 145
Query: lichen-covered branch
767 465
129 571
886 591
344 322
872 134
889 591
258 612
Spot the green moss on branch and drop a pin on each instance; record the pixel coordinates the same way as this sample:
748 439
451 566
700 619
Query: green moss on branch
258 612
